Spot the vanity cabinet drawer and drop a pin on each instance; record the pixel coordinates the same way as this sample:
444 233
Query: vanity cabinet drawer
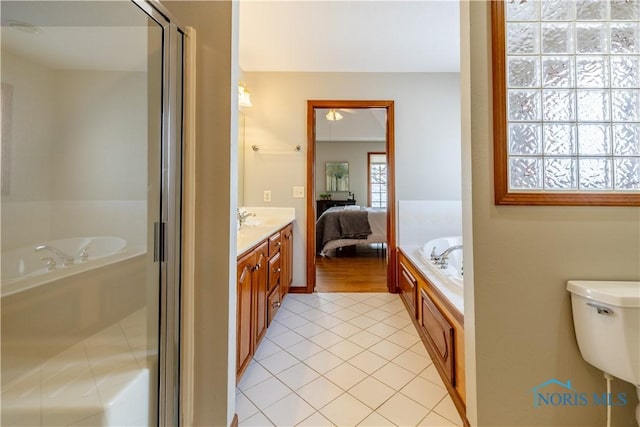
274 244
439 333
275 268
273 304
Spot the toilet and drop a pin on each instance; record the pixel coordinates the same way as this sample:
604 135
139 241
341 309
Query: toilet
606 316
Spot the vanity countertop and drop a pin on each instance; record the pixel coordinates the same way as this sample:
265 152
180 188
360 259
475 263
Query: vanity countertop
259 227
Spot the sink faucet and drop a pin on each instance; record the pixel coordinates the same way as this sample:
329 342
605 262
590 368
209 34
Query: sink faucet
66 259
243 215
441 259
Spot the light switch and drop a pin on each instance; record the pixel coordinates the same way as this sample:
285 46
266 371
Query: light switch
267 195
298 192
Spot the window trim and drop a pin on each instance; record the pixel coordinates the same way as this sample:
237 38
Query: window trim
503 196
369 177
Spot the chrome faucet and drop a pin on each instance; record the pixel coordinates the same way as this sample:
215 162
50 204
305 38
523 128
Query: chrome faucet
242 216
66 259
441 259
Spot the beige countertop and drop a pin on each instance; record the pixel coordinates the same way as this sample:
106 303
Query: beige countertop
258 228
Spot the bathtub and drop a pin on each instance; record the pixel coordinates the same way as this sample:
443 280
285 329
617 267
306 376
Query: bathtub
24 268
448 280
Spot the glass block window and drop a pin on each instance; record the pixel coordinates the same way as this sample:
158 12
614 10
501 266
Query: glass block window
571 96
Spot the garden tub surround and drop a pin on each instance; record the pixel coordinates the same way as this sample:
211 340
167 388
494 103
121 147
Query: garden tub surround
27 267
46 312
259 227
449 281
102 381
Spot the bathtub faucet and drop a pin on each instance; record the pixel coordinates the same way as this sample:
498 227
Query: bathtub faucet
441 259
66 259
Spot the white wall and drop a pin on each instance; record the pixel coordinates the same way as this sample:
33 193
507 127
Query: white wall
78 154
353 152
427 135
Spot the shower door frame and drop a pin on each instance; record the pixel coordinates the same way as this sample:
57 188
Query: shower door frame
168 232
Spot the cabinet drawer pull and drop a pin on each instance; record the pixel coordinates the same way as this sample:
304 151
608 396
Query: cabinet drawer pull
276 304
277 270
278 244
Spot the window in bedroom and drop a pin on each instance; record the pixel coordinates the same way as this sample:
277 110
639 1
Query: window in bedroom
566 102
377 178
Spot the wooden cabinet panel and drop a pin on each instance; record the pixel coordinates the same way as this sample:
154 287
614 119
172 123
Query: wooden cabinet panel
274 244
408 286
273 304
243 312
275 269
440 334
286 276
260 293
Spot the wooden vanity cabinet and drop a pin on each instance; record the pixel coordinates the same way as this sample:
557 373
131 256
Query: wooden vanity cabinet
260 274
439 324
286 276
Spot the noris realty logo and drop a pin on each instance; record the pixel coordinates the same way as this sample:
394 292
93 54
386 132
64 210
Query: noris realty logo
557 393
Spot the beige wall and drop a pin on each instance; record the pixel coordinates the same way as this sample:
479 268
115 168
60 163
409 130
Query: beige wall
427 135
216 197
523 257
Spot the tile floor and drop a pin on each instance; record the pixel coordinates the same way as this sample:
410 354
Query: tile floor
343 359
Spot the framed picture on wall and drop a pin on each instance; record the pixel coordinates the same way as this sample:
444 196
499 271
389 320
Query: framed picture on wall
337 174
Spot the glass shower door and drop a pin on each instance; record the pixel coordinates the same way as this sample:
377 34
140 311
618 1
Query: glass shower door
90 227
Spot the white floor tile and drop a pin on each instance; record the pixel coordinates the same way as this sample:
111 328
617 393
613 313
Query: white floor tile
420 349
394 376
435 420
330 307
365 339
345 330
278 362
289 411
282 314
424 392
326 339
361 308
254 374
447 409
346 410
293 322
276 329
382 330
403 411
345 375
316 420
286 339
313 314
267 392
375 420
309 330
371 392
403 339
368 362
319 392
328 321
297 376
244 408
431 374
323 361
266 349
363 322
387 349
345 314
345 349
377 314
295 306
412 361
398 321
304 349
258 420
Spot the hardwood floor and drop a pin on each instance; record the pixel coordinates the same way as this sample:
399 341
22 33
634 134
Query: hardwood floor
361 270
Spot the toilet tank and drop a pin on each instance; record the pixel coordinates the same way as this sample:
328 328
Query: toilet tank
606 317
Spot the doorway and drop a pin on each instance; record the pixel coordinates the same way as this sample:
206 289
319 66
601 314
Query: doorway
312 194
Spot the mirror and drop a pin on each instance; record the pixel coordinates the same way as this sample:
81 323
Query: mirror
241 120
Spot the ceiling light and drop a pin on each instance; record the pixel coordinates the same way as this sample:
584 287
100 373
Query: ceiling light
244 97
333 115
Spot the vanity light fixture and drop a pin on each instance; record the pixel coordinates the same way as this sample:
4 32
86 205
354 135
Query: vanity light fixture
333 115
244 97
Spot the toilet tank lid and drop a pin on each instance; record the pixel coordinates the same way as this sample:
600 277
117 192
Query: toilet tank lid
620 294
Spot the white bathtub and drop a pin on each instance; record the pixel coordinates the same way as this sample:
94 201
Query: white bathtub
24 269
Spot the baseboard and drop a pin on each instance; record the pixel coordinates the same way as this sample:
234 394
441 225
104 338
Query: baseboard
298 290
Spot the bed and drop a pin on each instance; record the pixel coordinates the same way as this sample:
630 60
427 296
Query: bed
350 225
